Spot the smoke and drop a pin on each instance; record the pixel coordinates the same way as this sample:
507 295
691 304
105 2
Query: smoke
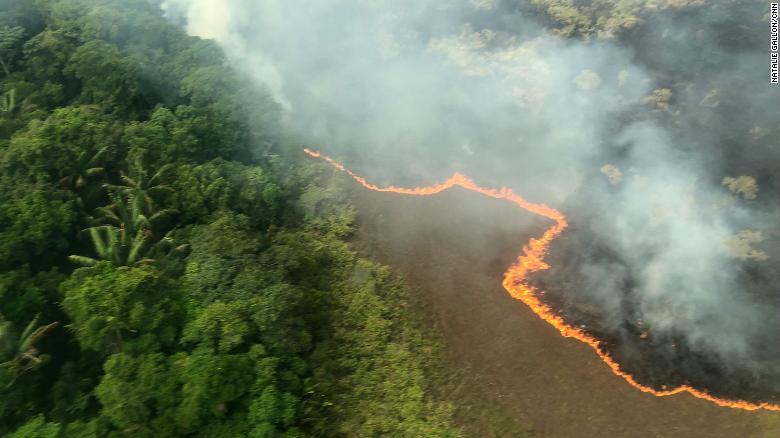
629 138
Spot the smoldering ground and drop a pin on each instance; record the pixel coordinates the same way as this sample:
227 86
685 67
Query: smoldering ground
631 136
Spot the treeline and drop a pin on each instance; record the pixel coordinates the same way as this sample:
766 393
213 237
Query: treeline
168 265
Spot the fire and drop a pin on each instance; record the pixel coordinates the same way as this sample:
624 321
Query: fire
532 260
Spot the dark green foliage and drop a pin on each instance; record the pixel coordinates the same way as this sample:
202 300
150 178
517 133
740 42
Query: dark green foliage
174 129
167 267
62 148
36 224
23 294
19 349
104 75
219 185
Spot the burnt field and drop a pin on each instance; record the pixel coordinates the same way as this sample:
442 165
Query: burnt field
661 360
453 248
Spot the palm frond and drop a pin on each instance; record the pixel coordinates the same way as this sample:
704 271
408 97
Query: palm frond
162 214
100 244
32 334
159 190
129 182
135 249
27 333
94 171
98 157
7 340
161 172
82 260
181 249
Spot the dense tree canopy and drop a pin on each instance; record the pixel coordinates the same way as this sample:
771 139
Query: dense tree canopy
167 266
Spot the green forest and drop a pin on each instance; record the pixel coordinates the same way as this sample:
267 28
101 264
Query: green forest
170 264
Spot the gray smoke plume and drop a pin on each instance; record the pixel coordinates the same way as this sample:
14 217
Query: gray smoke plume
634 136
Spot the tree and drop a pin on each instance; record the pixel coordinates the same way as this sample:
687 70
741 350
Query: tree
127 236
154 394
25 293
132 309
105 77
18 351
129 231
221 185
46 54
88 165
10 37
62 147
37 427
141 190
34 224
167 137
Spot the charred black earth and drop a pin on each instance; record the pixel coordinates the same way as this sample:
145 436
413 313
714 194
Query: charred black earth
659 360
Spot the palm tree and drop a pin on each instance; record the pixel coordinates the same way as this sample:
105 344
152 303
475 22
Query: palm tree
18 353
88 166
129 231
126 236
142 189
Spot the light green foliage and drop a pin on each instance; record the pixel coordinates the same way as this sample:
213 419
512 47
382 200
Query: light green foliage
138 393
221 326
231 265
744 186
220 251
323 211
383 359
132 309
603 17
37 427
152 394
62 147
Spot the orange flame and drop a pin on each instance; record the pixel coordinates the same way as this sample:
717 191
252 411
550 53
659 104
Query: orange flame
532 260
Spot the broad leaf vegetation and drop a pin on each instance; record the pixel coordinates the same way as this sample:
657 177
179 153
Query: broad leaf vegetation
169 264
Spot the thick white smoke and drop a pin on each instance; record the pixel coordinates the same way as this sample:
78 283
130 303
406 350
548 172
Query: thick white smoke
406 91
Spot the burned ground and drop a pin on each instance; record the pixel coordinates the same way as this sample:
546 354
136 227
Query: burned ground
454 248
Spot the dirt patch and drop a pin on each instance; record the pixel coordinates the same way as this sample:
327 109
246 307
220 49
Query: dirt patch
453 248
